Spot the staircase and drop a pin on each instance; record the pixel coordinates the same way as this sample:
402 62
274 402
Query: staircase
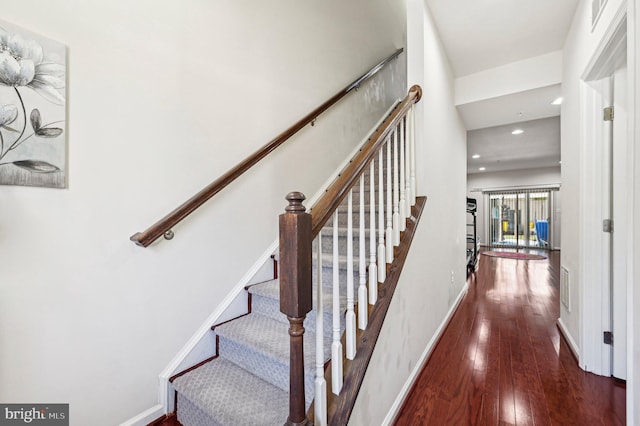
327 267
248 382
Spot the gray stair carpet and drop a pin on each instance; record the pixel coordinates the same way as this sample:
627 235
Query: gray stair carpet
265 299
222 394
248 384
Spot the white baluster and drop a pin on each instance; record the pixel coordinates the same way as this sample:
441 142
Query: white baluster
382 264
396 194
413 156
363 306
351 315
320 402
336 345
389 230
373 268
402 207
407 168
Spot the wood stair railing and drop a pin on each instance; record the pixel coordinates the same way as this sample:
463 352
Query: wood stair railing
164 226
298 229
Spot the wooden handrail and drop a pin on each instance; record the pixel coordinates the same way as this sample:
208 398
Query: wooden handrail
298 228
165 224
335 194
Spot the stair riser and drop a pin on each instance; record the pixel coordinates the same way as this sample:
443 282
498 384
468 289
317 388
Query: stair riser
190 415
271 309
265 367
327 242
327 274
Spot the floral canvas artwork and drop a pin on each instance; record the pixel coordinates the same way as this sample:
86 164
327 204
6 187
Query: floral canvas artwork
32 109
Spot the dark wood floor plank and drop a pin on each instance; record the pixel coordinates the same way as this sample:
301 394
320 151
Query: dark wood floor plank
502 360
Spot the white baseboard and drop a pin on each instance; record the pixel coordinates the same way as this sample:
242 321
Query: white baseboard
397 404
146 417
572 343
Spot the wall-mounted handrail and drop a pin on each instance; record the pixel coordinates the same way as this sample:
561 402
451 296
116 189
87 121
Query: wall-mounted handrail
335 194
164 225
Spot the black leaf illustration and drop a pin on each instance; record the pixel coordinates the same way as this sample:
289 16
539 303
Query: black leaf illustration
36 166
35 120
49 132
11 129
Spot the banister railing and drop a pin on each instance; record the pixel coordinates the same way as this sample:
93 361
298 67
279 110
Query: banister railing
299 228
164 225
338 190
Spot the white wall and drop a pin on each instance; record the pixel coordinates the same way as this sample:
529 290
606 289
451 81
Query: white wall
547 176
163 97
434 274
539 71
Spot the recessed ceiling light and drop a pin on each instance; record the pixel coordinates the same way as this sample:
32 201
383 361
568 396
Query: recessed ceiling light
475 156
557 101
482 169
517 132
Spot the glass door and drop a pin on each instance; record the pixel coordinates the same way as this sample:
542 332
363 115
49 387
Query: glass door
519 219
539 208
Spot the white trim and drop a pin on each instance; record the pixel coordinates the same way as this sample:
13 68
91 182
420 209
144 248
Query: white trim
633 54
594 20
165 389
606 57
594 255
547 187
146 417
567 335
397 404
594 295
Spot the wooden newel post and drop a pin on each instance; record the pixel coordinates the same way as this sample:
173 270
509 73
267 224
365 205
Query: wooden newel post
296 295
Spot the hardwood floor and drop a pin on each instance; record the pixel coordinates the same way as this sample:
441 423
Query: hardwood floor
503 361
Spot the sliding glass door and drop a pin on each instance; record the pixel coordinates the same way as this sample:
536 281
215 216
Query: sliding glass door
519 218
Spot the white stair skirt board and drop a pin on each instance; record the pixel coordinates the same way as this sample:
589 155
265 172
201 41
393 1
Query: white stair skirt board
397 404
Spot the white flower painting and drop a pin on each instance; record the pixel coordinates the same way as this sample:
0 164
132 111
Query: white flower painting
32 109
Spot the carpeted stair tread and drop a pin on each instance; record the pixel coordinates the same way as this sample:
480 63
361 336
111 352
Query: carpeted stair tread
231 396
266 335
265 300
327 231
327 260
261 346
269 289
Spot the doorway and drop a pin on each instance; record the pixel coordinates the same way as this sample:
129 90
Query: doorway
520 218
606 209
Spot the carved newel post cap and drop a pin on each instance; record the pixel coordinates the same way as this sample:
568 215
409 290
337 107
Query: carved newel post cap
295 202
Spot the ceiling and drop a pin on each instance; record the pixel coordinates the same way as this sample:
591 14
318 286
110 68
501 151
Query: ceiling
513 108
500 150
484 34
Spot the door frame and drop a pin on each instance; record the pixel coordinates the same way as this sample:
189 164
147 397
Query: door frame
526 232
595 312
